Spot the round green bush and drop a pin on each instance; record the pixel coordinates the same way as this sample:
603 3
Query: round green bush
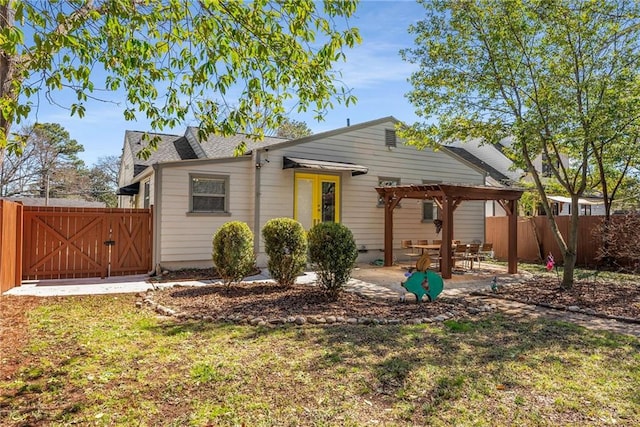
233 256
286 246
333 251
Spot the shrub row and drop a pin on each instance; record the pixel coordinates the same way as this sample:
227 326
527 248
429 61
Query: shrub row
329 247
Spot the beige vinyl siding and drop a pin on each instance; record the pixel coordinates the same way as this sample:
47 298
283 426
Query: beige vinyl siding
125 174
186 238
359 209
138 199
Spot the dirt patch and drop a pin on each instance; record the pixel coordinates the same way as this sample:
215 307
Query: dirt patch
13 331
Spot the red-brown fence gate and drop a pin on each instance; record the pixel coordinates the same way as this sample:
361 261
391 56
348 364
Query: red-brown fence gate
61 243
10 245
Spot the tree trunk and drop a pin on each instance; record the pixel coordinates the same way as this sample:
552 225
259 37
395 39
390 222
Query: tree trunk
7 72
570 254
569 268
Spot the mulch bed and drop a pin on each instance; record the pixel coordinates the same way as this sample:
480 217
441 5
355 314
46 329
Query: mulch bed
272 301
604 298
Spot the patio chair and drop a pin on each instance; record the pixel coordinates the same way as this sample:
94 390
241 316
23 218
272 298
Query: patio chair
421 243
459 254
486 251
472 253
407 244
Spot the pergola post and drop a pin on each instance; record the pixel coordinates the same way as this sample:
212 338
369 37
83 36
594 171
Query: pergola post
447 237
512 237
388 230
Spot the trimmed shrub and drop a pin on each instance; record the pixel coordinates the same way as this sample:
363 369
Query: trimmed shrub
286 246
233 256
333 252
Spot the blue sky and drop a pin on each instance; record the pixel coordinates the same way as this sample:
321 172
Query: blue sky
374 71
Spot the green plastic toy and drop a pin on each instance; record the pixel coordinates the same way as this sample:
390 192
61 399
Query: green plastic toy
424 283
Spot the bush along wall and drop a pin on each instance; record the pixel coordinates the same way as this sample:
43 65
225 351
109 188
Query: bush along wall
233 256
286 246
333 252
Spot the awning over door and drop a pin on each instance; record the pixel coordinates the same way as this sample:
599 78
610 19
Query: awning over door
298 163
129 190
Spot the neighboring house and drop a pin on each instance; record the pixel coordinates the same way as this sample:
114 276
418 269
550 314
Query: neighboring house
501 173
56 202
195 187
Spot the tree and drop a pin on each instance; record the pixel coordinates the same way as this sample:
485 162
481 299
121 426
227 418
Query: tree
47 164
222 62
560 78
293 129
104 180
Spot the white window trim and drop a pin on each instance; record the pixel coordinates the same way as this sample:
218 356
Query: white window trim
227 193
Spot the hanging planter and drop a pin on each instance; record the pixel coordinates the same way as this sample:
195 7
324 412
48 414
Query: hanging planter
438 224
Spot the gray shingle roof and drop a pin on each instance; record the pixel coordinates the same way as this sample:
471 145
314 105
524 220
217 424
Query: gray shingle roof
166 151
218 147
493 173
170 148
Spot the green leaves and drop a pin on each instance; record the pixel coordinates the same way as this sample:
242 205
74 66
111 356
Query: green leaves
248 58
560 78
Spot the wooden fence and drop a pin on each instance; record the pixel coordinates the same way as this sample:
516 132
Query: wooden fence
535 239
64 243
10 245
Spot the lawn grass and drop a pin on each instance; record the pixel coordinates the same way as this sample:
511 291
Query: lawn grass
101 361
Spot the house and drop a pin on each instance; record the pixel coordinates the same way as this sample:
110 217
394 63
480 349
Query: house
195 187
501 172
56 202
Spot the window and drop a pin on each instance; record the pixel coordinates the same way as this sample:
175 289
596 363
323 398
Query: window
585 209
430 210
387 182
390 137
209 194
147 194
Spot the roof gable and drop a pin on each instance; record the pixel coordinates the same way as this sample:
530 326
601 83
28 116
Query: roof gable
166 150
330 133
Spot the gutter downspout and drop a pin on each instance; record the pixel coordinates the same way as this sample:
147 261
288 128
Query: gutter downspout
256 201
157 213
